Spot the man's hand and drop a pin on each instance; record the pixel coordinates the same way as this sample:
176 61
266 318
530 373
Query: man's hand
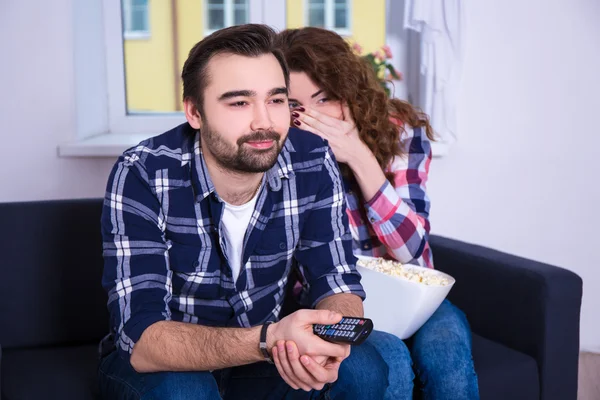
297 330
304 372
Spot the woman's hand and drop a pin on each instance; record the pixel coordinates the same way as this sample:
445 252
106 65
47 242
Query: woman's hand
341 134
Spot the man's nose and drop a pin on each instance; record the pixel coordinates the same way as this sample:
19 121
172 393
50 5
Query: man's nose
261 119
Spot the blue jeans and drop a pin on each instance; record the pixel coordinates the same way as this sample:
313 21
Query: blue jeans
363 375
441 356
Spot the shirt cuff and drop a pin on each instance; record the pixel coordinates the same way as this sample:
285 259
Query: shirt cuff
335 284
383 205
133 331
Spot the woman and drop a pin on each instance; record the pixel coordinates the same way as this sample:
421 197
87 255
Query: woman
383 147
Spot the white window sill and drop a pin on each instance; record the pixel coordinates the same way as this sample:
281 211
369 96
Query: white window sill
103 145
114 144
136 35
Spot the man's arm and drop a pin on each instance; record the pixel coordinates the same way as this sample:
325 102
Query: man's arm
180 346
347 304
324 253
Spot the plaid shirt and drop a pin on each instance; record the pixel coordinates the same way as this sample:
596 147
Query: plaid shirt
165 254
397 224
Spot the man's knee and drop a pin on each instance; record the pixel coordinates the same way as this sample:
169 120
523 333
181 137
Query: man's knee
397 356
364 373
182 386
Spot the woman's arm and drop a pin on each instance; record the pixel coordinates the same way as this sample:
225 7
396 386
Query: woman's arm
398 211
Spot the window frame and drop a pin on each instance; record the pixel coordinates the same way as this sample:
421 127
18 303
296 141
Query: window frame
329 17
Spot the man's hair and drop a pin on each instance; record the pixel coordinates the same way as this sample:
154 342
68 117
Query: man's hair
249 40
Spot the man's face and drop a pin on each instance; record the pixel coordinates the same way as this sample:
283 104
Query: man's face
245 116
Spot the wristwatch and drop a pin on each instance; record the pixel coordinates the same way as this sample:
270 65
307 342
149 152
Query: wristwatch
263 342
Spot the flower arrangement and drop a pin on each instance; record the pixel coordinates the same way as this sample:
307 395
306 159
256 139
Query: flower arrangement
379 61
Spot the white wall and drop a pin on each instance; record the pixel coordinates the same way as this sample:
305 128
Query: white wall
37 105
521 178
524 174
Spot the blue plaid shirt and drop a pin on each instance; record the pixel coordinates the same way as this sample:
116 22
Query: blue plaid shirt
164 250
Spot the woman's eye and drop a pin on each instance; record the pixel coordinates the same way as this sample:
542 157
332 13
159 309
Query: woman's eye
293 104
323 100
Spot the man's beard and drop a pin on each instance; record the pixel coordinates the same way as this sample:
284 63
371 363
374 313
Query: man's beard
244 159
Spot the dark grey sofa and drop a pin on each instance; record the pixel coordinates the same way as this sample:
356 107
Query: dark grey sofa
524 314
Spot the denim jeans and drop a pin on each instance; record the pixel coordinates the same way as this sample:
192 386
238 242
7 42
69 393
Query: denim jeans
441 356
363 375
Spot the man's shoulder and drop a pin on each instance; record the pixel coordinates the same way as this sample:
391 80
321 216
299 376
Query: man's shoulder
304 146
172 149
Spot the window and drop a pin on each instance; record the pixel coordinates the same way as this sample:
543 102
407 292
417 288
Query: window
136 22
329 14
115 113
223 13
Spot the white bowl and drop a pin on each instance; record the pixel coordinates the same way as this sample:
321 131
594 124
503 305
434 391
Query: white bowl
397 305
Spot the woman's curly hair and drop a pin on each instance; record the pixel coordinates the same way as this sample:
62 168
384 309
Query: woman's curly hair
332 65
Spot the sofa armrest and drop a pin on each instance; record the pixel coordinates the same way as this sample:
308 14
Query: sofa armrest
526 305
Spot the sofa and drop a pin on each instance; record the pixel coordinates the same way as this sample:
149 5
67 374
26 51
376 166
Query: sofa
524 314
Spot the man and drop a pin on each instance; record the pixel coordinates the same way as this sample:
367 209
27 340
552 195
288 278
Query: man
202 226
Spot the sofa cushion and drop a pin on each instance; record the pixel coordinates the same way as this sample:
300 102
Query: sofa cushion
51 264
67 372
504 373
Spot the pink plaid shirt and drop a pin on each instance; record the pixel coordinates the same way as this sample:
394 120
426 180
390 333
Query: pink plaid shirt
397 225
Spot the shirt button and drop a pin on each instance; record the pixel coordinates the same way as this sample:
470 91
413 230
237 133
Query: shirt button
372 220
282 246
196 264
366 247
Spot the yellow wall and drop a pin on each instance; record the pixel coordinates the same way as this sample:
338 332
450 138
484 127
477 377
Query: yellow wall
190 19
149 67
367 23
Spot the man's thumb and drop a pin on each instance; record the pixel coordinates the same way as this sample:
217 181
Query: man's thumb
327 317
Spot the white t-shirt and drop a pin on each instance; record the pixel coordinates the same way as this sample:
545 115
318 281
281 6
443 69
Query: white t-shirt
235 223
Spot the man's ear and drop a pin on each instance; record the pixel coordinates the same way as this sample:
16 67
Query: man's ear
192 114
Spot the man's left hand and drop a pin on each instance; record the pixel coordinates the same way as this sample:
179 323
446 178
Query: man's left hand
306 372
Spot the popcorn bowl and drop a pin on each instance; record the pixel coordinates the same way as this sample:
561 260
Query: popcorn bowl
398 305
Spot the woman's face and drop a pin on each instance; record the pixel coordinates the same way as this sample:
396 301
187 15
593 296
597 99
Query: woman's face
304 93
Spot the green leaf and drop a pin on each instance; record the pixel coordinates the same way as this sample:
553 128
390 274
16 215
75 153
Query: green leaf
393 72
369 57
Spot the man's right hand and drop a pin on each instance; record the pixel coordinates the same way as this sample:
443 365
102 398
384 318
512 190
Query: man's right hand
298 328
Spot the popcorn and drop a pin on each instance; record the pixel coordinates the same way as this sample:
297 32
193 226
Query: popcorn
413 274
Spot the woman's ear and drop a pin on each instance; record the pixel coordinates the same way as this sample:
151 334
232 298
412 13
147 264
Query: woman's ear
346 113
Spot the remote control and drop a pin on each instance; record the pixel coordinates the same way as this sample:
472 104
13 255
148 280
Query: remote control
349 330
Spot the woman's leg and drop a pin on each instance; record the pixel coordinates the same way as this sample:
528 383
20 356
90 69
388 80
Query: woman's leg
441 353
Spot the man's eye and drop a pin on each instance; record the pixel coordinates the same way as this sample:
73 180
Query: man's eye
239 104
279 101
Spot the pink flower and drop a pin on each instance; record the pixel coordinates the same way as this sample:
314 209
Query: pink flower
357 48
378 55
387 51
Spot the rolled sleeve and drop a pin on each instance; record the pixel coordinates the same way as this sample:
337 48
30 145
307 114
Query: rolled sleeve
399 211
136 266
324 254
